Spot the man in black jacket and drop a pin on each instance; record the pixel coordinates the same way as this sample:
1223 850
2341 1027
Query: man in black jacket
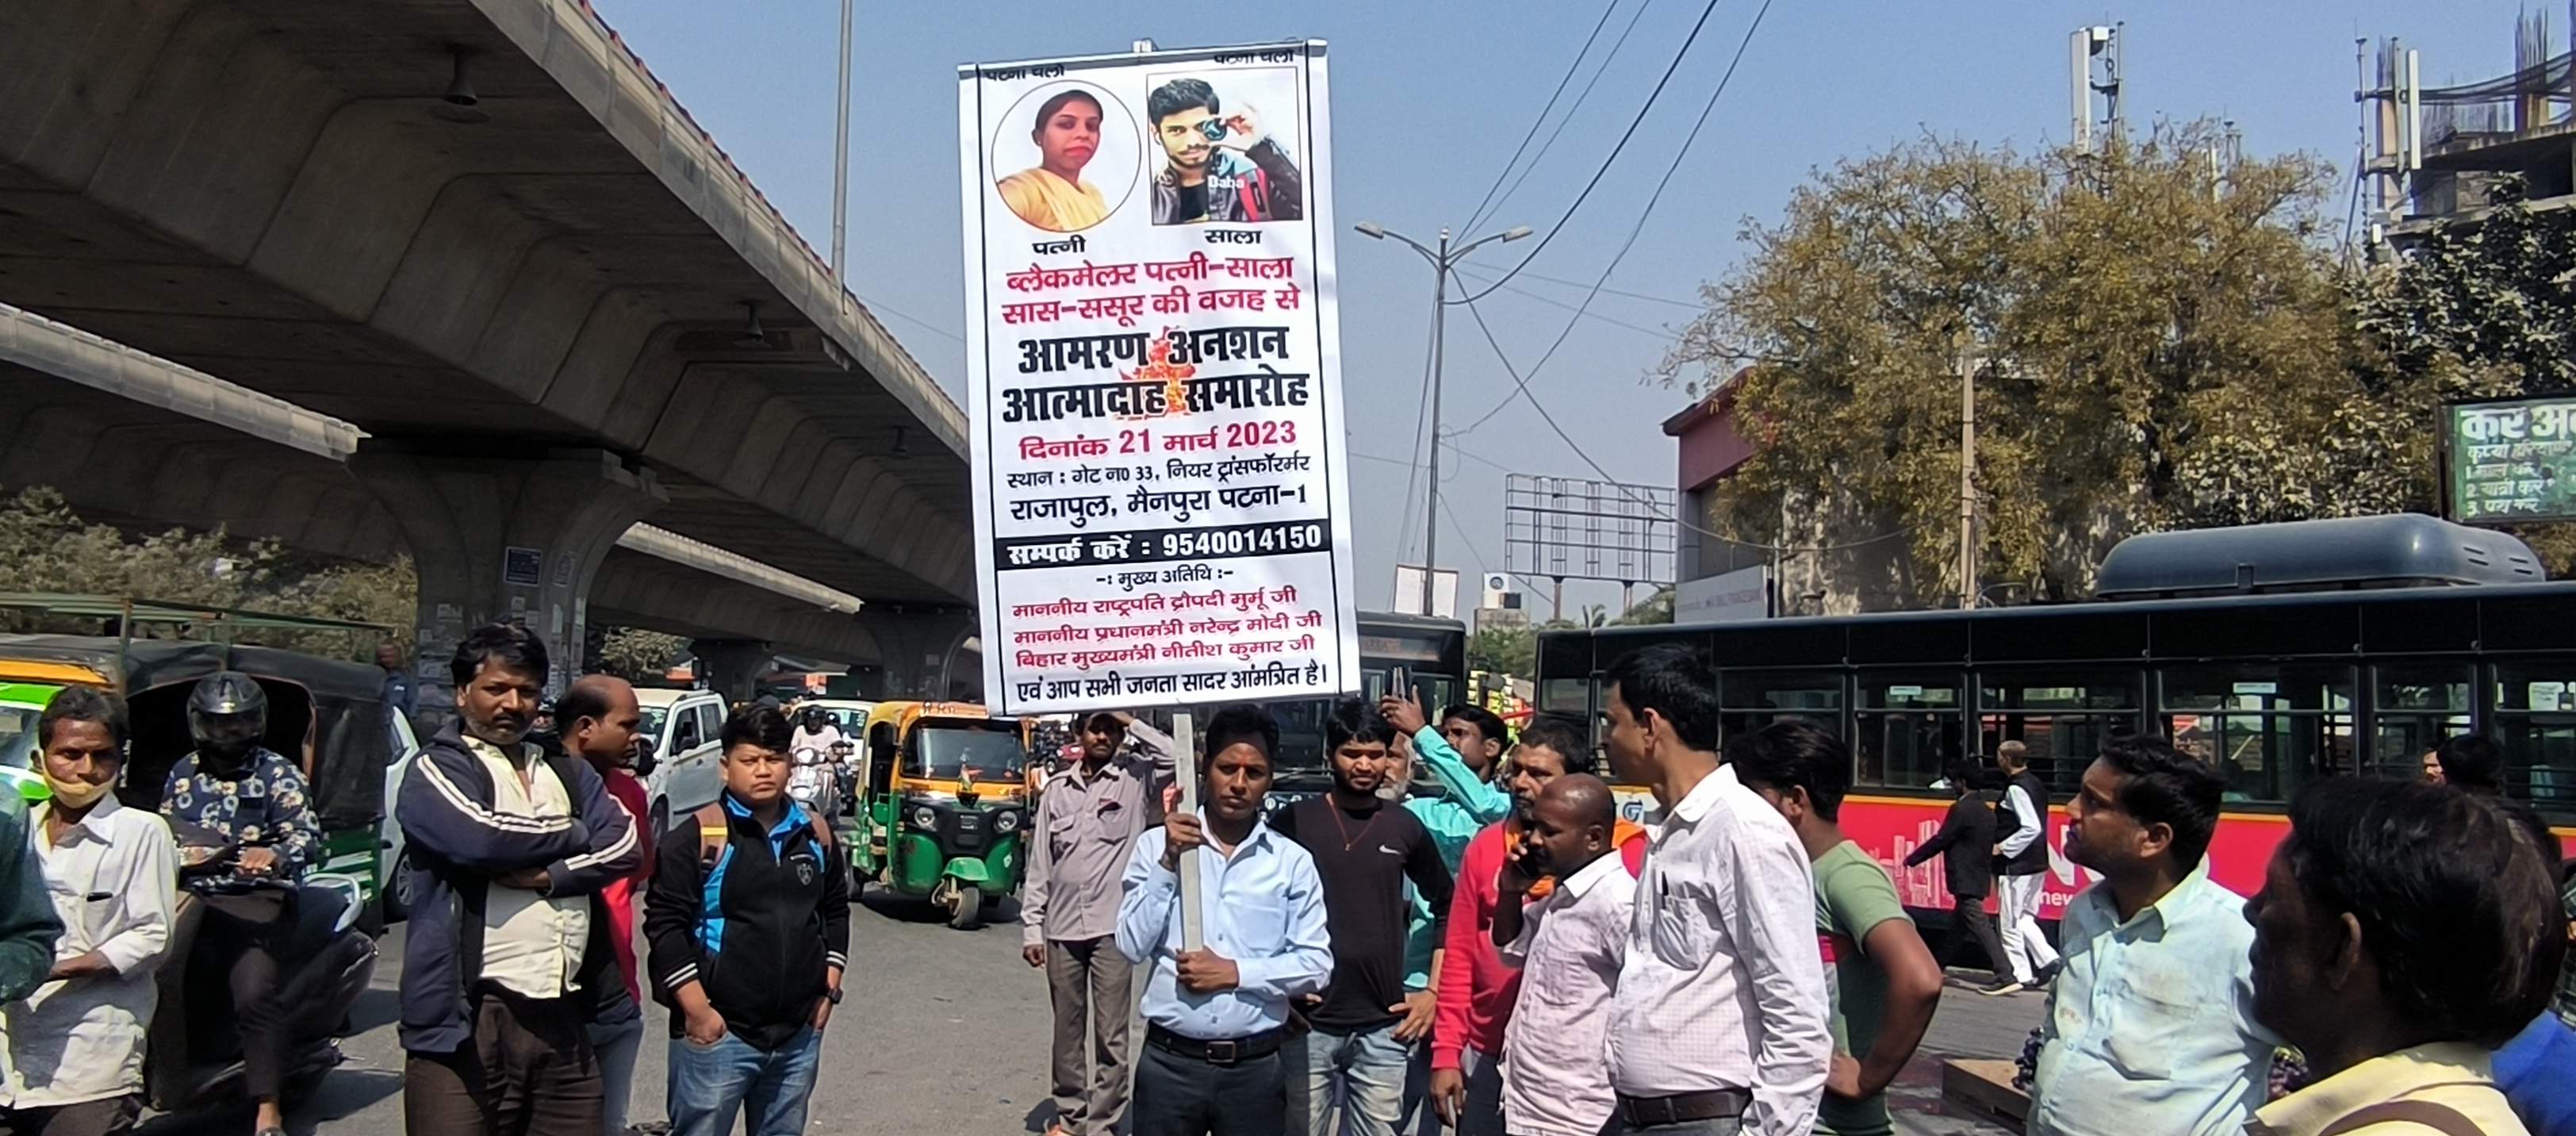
749 921
1963 843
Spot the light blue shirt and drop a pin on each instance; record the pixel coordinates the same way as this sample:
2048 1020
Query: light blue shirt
1465 807
2151 1027
1263 908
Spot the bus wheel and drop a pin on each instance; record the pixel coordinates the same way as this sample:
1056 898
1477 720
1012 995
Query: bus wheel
966 911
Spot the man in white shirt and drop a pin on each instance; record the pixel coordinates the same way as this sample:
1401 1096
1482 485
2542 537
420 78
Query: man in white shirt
1569 947
1719 1023
75 1046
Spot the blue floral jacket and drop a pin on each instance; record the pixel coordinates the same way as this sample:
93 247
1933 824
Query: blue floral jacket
265 807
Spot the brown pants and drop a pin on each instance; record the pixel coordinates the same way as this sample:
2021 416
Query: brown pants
111 1117
1091 982
529 1071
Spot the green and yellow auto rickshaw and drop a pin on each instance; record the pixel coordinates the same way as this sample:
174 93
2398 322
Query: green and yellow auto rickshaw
945 805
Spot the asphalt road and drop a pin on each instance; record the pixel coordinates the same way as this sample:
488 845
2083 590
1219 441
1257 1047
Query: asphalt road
946 1031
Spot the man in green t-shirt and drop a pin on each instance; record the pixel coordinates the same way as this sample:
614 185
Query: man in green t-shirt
1884 981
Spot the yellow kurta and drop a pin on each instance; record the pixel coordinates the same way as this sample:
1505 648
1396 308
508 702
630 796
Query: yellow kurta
1052 203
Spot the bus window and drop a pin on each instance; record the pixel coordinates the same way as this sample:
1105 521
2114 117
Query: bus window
2266 726
2418 705
1750 700
1905 726
2063 716
2535 711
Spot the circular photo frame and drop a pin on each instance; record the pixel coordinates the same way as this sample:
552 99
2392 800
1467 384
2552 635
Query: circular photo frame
1051 133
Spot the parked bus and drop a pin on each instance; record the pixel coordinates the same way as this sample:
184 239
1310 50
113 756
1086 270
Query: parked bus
2283 653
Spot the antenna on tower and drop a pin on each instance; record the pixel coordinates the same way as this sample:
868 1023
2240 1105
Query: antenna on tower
2093 58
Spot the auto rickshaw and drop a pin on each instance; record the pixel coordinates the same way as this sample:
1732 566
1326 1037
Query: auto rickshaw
945 805
327 715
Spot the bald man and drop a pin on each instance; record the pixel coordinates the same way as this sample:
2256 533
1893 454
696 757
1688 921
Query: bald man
600 719
1569 946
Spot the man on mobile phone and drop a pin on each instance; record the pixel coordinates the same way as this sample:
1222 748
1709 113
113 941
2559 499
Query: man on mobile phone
1219 166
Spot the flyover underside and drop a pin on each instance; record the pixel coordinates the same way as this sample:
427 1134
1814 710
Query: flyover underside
145 467
275 194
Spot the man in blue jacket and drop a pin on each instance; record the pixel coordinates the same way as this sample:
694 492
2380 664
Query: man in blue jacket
507 954
749 918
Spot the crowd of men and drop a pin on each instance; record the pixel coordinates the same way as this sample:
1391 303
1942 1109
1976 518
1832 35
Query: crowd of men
1736 964
521 990
1506 955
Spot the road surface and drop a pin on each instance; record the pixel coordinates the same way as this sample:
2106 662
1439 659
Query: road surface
946 1031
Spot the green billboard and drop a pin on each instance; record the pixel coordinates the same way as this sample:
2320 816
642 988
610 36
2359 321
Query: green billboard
2509 462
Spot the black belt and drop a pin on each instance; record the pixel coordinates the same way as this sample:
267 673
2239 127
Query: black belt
1682 1108
1229 1052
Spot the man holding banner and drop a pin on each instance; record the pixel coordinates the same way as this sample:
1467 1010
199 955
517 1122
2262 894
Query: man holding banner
1216 1015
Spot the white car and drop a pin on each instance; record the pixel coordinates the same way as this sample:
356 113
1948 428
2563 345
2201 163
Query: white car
680 727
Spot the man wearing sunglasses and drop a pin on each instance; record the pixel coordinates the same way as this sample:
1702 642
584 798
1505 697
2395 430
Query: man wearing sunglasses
1218 167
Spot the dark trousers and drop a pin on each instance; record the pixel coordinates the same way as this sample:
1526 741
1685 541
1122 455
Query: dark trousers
529 1071
1091 986
244 932
111 1117
1969 918
1182 1096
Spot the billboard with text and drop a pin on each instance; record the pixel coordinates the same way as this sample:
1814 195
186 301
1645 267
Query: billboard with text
1154 379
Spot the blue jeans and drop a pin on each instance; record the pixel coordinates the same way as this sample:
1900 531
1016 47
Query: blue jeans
712 1084
1362 1071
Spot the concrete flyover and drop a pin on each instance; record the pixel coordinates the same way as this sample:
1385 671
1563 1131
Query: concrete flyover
480 231
144 443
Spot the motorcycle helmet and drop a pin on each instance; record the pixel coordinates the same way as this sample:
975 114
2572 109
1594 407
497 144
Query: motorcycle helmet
815 719
227 713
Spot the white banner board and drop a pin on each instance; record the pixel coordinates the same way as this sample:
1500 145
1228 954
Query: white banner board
1154 380
1729 597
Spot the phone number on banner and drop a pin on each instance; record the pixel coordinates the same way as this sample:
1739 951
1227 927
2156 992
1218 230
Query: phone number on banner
1275 538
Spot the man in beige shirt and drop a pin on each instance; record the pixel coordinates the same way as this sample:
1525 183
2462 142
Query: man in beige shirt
505 957
2403 932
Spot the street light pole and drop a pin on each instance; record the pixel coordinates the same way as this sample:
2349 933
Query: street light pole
1439 349
1442 262
841 157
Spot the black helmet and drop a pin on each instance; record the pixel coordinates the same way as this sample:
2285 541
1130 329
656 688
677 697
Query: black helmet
227 712
815 718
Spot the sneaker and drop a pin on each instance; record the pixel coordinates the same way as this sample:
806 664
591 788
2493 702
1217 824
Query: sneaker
2048 974
1999 987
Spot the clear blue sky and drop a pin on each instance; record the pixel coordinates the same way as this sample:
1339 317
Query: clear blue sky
1430 98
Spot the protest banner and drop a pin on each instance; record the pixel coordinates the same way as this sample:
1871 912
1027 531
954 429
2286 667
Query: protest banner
1154 380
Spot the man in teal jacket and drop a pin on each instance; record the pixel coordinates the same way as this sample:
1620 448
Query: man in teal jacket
1462 755
28 926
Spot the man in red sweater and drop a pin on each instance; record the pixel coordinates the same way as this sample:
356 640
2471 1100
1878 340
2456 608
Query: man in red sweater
600 718
1476 989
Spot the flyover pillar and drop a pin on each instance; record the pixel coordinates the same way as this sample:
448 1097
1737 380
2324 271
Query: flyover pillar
924 653
503 536
732 667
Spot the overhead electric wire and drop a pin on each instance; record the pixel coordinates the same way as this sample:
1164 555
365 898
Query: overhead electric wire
1666 336
1652 510
1639 228
1694 305
1576 107
1541 120
1651 98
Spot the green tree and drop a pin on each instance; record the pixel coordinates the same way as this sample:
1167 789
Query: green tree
47 547
635 654
1509 650
2152 347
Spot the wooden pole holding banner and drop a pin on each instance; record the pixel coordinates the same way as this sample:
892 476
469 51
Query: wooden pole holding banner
1185 768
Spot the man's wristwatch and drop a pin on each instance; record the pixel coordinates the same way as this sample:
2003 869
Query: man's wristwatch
832 995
